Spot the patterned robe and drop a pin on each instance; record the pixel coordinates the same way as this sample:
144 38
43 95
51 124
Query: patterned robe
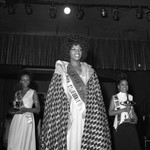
96 134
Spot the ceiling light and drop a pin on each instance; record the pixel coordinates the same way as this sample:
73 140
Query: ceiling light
116 14
67 10
104 12
11 9
148 15
28 9
80 13
53 11
139 13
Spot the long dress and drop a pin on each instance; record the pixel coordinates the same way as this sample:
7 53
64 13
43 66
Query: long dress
75 132
22 128
125 134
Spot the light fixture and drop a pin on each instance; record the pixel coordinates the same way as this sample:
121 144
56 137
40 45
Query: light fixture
104 12
80 13
28 9
11 9
53 11
116 14
67 10
148 14
139 13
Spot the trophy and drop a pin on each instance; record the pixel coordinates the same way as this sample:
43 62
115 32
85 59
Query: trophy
131 118
17 103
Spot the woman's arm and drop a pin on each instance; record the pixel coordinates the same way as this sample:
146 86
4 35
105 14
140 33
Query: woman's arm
113 112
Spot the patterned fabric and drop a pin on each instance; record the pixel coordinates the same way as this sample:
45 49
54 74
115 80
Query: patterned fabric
54 128
96 135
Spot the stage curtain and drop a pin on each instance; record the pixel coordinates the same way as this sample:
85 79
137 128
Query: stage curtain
43 50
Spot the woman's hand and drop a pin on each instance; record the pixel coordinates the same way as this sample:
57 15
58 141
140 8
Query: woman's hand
17 112
127 109
21 110
14 111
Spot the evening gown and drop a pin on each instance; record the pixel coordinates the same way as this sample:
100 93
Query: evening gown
22 129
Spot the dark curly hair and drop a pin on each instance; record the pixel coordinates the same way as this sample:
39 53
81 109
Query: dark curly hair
25 72
70 40
121 76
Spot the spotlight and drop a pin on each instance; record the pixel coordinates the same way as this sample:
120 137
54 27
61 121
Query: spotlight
67 10
148 15
28 9
80 13
53 11
139 13
11 9
104 12
116 14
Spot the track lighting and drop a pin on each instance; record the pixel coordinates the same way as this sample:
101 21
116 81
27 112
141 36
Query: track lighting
116 14
139 13
53 11
102 8
28 9
104 12
80 13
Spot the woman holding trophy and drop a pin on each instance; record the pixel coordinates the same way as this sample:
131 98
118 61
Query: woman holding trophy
122 107
22 129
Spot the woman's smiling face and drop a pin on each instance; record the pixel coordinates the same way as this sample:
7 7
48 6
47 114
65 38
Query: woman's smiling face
25 80
76 52
123 86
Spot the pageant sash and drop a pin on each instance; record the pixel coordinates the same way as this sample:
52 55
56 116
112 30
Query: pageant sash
75 84
73 91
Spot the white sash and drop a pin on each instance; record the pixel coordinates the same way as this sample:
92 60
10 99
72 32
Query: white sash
73 91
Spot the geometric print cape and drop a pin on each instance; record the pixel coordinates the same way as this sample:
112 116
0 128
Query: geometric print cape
96 134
